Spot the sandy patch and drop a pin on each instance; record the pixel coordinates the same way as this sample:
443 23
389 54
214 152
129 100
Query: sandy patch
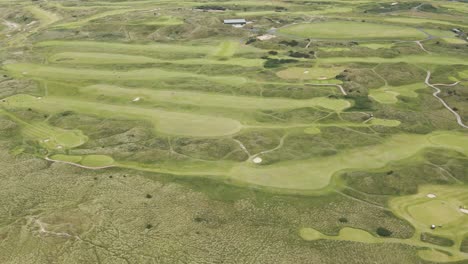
136 99
431 195
266 37
257 160
463 210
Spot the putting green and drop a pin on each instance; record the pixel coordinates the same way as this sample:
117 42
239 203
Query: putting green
442 210
384 96
352 30
389 94
436 212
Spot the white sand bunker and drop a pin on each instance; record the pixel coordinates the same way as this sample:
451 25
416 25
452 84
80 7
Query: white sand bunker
266 37
463 210
136 99
431 195
257 160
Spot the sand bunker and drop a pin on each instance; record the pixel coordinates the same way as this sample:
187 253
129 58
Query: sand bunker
257 160
266 37
431 195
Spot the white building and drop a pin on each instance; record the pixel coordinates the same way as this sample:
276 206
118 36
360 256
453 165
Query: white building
235 22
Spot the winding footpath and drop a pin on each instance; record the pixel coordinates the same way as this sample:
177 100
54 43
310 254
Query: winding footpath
436 95
79 165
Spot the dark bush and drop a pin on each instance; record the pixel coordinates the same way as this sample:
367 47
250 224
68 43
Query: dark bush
343 220
273 63
296 54
292 43
383 232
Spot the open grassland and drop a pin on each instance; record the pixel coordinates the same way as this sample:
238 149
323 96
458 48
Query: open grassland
131 131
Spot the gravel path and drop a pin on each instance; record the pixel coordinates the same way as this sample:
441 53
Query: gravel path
436 95
79 165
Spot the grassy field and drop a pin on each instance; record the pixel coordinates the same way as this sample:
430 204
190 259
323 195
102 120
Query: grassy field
151 132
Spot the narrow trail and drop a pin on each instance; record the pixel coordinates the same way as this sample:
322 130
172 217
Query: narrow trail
362 201
380 76
11 26
422 46
339 86
342 89
416 8
280 145
445 172
43 230
436 95
79 165
243 147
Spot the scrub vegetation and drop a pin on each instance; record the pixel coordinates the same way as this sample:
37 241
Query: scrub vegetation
151 132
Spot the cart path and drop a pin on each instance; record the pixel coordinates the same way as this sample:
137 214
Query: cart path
436 95
79 165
